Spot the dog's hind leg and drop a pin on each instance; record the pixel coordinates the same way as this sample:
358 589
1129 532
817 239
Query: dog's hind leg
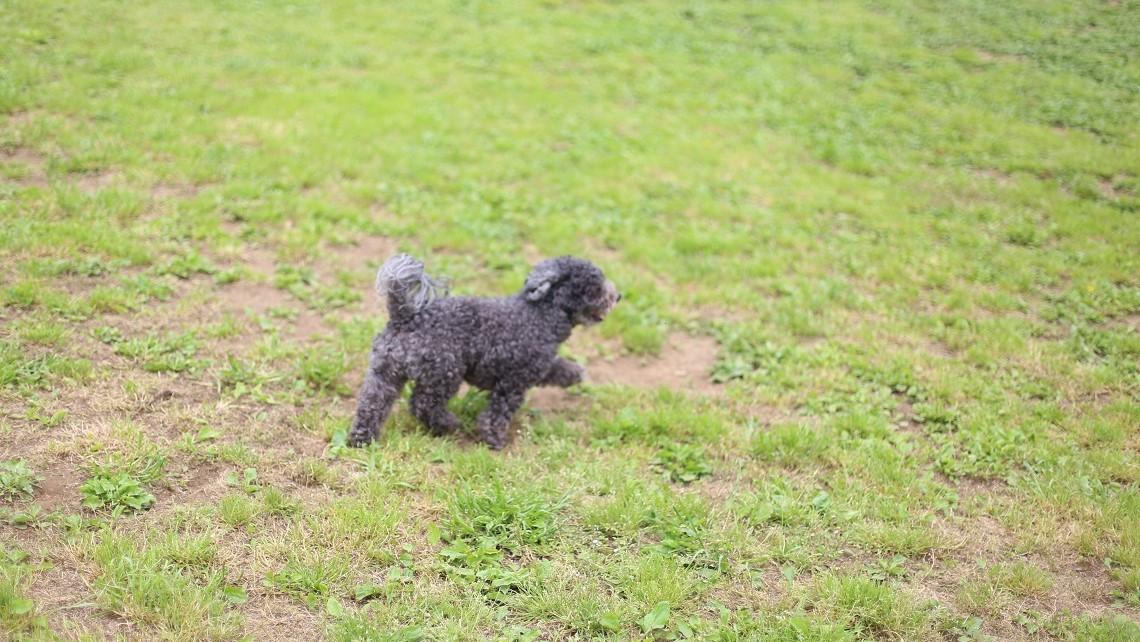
379 391
429 404
495 418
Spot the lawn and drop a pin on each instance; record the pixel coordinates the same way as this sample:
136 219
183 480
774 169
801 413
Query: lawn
875 374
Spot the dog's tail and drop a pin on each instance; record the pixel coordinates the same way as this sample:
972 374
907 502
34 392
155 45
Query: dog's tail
401 280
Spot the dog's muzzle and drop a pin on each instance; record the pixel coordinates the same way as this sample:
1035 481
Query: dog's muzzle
609 299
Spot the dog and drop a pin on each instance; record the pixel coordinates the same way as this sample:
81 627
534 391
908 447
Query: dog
504 346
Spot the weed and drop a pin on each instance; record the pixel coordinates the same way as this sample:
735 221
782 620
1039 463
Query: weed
1021 579
237 510
247 482
501 517
276 502
310 581
18 614
140 458
684 463
41 371
883 570
42 332
186 265
146 582
683 531
324 372
171 353
120 492
316 472
242 378
227 327
874 608
745 356
17 479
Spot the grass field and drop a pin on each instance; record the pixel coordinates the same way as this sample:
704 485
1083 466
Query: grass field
875 374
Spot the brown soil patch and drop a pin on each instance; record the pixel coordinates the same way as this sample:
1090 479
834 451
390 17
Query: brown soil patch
531 253
255 299
170 191
989 56
719 489
984 537
997 176
905 419
308 324
36 173
552 400
62 594
1080 586
256 259
366 254
59 489
91 182
274 617
203 482
34 164
1131 322
685 364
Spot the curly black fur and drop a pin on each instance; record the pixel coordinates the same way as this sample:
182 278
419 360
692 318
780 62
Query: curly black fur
505 346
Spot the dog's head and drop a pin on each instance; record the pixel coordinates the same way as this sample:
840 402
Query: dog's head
573 285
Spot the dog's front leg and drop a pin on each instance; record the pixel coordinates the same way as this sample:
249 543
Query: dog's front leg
377 394
495 418
563 373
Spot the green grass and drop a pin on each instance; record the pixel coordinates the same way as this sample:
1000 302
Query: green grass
910 227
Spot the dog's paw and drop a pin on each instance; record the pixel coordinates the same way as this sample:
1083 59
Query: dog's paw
359 439
564 373
575 374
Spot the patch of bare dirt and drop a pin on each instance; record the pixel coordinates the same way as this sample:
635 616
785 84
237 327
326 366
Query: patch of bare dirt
1080 586
59 488
91 182
554 400
199 483
36 173
257 259
531 253
309 324
274 617
989 56
256 299
983 537
905 419
1131 322
62 594
33 163
685 364
995 175
174 192
719 489
366 253
761 593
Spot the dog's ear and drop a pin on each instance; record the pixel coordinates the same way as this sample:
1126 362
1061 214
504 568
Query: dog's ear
541 279
538 291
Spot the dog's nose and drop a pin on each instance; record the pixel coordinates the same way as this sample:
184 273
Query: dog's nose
619 296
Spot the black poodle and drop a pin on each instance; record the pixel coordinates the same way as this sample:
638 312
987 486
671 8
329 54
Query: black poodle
504 346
